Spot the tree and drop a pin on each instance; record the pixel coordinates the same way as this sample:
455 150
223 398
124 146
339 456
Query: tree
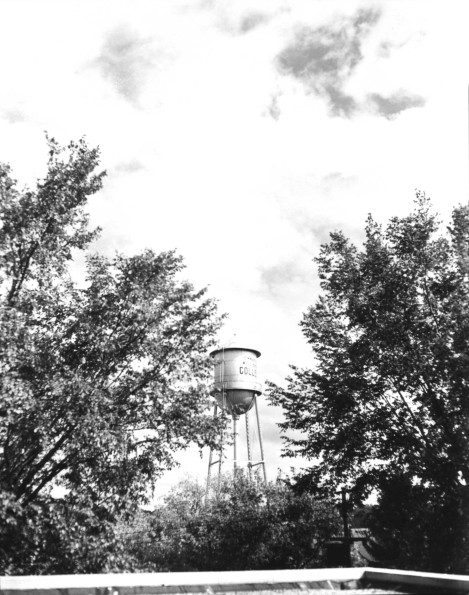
101 384
245 526
388 396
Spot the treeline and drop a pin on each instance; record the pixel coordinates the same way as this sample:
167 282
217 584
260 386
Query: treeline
102 382
243 525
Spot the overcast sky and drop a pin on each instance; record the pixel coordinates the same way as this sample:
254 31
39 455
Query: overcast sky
241 132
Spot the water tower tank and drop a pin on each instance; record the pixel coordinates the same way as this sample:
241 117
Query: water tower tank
235 378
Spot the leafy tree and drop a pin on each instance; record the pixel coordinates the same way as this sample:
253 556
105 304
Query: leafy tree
59 535
246 525
417 522
100 384
388 397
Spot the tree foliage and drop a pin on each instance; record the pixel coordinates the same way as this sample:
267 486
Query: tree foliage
62 536
245 525
388 395
418 525
99 384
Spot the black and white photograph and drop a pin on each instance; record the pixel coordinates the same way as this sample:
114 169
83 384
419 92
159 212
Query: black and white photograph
234 296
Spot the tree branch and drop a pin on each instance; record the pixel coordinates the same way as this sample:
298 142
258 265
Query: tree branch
36 468
53 472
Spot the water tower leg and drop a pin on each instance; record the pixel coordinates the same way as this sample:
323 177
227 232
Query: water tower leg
220 459
260 440
210 460
248 443
235 454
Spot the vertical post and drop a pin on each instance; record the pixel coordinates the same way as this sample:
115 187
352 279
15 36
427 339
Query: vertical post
260 440
235 454
348 559
248 443
220 461
210 459
223 407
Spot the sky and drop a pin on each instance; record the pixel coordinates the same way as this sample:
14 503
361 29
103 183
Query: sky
241 133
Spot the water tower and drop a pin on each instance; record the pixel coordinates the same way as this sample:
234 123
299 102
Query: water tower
236 388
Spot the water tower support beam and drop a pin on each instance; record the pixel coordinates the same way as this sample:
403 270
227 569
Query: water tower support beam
210 459
235 453
222 439
248 443
260 440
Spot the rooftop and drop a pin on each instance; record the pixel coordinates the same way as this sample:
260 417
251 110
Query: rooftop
265 582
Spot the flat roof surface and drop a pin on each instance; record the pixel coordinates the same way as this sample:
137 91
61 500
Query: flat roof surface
365 581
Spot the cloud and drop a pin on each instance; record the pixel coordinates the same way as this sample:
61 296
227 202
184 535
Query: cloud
252 20
131 166
14 115
336 177
341 103
111 241
239 18
125 60
392 105
324 58
273 109
276 277
387 47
